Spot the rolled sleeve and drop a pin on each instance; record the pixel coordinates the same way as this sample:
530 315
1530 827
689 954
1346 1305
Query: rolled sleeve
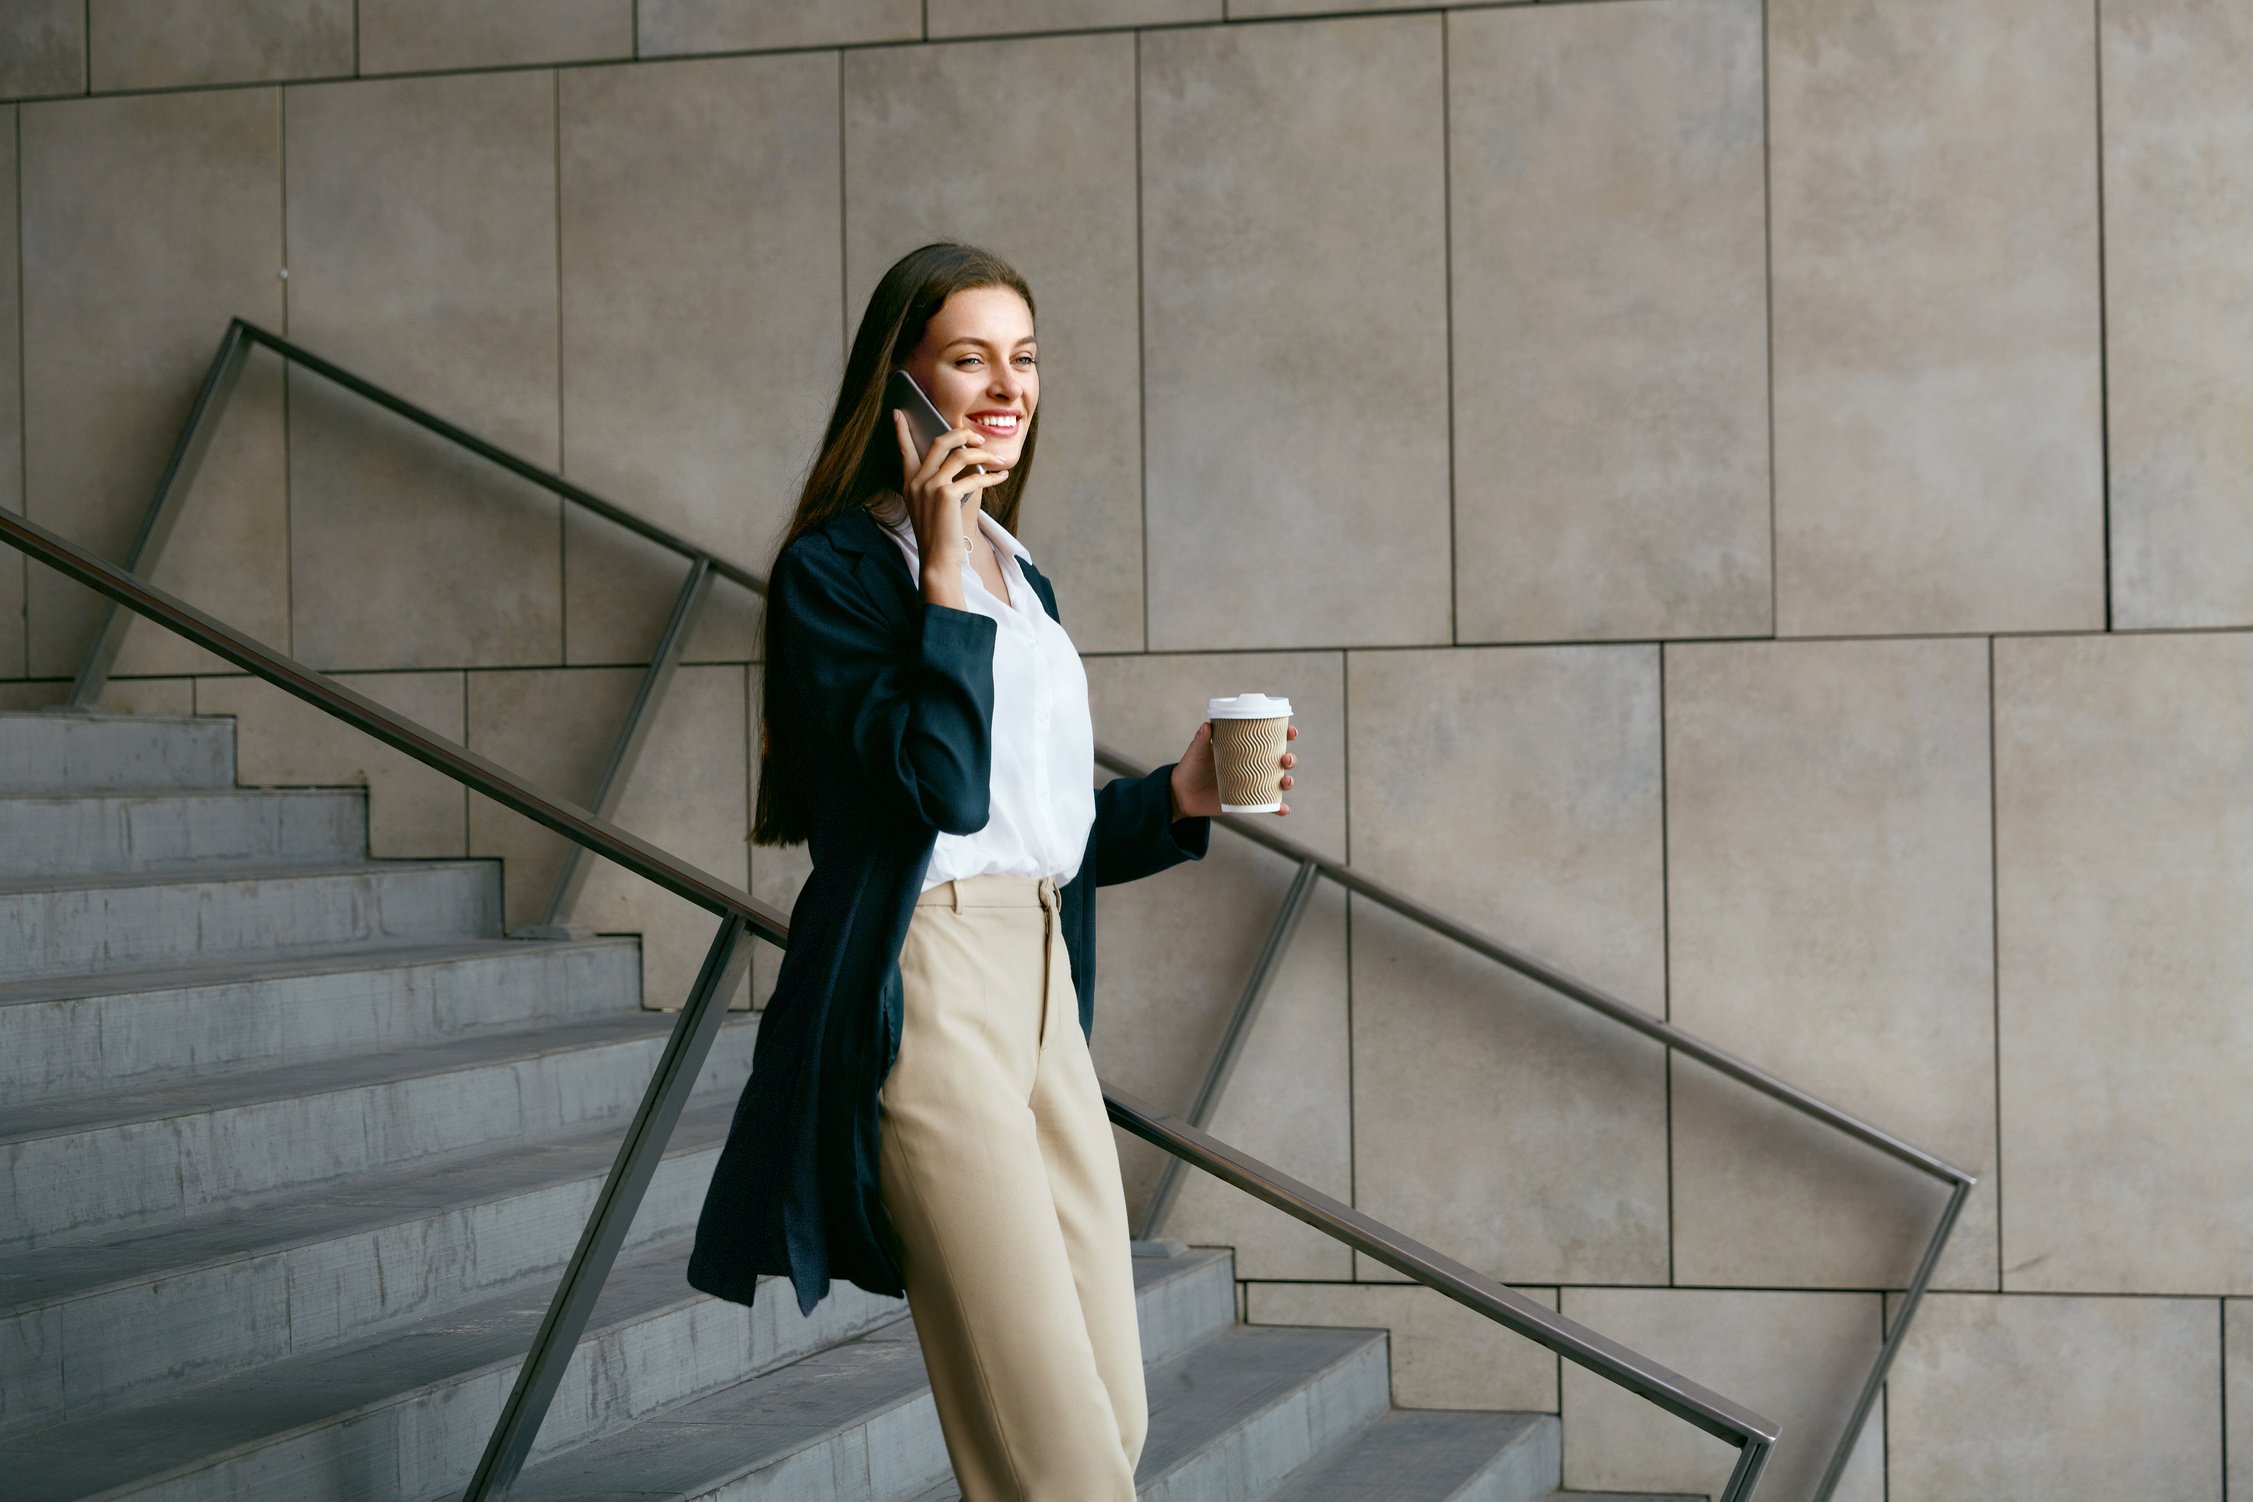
1135 833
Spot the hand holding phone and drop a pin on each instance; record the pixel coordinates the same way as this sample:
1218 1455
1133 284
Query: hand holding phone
933 457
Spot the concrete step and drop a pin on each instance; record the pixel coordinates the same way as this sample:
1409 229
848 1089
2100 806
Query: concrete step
68 834
1437 1455
132 1029
1623 1497
857 1420
76 1165
89 1323
83 753
1233 1415
55 926
404 1415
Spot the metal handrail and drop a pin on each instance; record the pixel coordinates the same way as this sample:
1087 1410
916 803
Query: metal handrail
1312 866
741 914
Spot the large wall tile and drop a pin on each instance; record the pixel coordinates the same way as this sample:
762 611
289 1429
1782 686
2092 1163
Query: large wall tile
671 27
555 728
169 44
2124 842
1178 949
422 244
552 728
700 325
12 563
1830 919
1518 791
158 696
42 48
422 236
2178 214
686 797
1295 334
282 741
409 36
1934 235
1796 1358
960 18
1443 1355
1051 189
411 552
126 293
2019 1399
1610 321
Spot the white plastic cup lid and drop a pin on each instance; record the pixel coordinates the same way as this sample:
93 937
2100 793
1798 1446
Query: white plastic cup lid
1247 707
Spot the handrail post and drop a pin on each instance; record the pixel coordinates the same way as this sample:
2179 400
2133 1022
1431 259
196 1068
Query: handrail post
621 1195
1232 1042
554 924
1844 1451
178 479
1752 1459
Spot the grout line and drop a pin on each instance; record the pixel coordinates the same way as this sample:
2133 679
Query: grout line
1345 801
562 509
1447 297
289 485
2081 633
2104 377
1995 960
23 413
1768 290
1884 1422
1666 961
2222 1320
1141 344
634 54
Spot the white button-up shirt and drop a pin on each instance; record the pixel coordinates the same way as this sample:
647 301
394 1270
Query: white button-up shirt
1043 796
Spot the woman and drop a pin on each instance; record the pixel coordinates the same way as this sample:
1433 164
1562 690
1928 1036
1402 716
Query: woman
922 1114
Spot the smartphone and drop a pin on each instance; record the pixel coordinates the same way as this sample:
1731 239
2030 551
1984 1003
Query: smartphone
923 419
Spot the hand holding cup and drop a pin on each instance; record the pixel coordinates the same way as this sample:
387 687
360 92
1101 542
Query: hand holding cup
1237 761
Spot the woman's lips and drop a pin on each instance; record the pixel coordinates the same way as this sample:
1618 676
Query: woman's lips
997 427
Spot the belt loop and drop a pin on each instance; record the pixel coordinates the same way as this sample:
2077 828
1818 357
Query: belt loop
954 893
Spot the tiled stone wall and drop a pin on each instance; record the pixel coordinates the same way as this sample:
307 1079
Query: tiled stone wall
1751 499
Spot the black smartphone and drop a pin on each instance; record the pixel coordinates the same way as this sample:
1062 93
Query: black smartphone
923 419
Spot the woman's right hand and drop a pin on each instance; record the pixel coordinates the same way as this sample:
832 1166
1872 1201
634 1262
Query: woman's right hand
935 485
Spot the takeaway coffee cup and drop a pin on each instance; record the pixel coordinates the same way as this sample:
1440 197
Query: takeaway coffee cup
1249 731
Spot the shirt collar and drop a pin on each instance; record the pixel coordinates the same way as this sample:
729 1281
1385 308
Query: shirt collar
995 533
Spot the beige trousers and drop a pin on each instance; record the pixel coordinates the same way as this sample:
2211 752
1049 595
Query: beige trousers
1001 1179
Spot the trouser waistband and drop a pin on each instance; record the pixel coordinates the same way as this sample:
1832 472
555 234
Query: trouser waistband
993 890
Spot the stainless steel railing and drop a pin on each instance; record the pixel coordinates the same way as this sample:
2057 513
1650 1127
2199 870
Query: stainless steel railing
686 1049
702 567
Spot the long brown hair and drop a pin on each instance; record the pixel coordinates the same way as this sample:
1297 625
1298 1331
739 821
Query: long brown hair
853 468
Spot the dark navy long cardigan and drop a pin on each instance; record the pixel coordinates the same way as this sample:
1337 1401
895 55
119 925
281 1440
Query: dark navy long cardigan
887 711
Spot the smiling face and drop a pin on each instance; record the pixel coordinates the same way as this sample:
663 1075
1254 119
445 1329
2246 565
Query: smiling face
977 364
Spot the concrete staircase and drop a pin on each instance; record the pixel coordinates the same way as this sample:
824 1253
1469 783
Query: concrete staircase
296 1145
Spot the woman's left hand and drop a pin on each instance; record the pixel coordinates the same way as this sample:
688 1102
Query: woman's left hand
1196 782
